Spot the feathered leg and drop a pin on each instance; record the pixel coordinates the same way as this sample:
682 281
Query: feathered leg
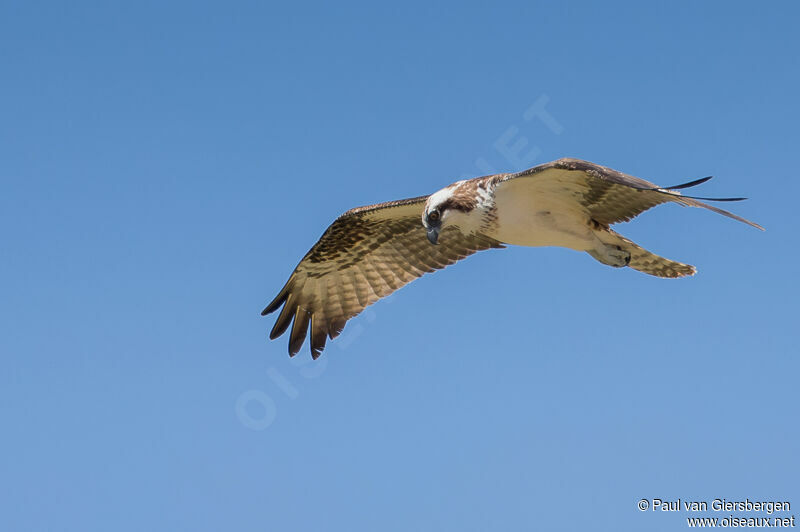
616 250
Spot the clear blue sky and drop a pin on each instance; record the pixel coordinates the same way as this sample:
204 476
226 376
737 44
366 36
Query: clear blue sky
165 165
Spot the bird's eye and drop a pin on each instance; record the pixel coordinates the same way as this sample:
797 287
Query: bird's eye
433 216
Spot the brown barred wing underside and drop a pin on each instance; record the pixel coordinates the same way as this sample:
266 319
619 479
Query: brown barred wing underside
365 255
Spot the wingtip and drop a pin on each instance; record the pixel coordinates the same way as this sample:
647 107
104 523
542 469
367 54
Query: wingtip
294 347
751 224
713 199
691 183
276 303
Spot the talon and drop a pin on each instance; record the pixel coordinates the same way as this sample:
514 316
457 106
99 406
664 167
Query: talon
613 255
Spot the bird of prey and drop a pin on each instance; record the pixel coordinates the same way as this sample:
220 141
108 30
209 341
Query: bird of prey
369 252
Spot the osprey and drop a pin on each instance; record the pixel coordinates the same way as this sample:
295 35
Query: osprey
369 252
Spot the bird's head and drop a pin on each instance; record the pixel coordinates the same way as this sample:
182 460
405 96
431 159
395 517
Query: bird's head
449 206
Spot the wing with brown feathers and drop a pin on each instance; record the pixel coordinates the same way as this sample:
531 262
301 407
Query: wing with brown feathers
365 255
610 196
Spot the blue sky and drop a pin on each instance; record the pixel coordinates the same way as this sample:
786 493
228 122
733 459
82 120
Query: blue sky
165 165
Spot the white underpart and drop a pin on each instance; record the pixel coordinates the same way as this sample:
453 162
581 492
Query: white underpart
530 216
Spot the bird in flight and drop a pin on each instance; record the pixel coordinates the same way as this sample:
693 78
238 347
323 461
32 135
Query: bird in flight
369 252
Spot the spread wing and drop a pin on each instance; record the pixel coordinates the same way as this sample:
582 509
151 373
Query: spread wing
366 254
607 195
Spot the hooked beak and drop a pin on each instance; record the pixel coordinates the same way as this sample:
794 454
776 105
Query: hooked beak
433 235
